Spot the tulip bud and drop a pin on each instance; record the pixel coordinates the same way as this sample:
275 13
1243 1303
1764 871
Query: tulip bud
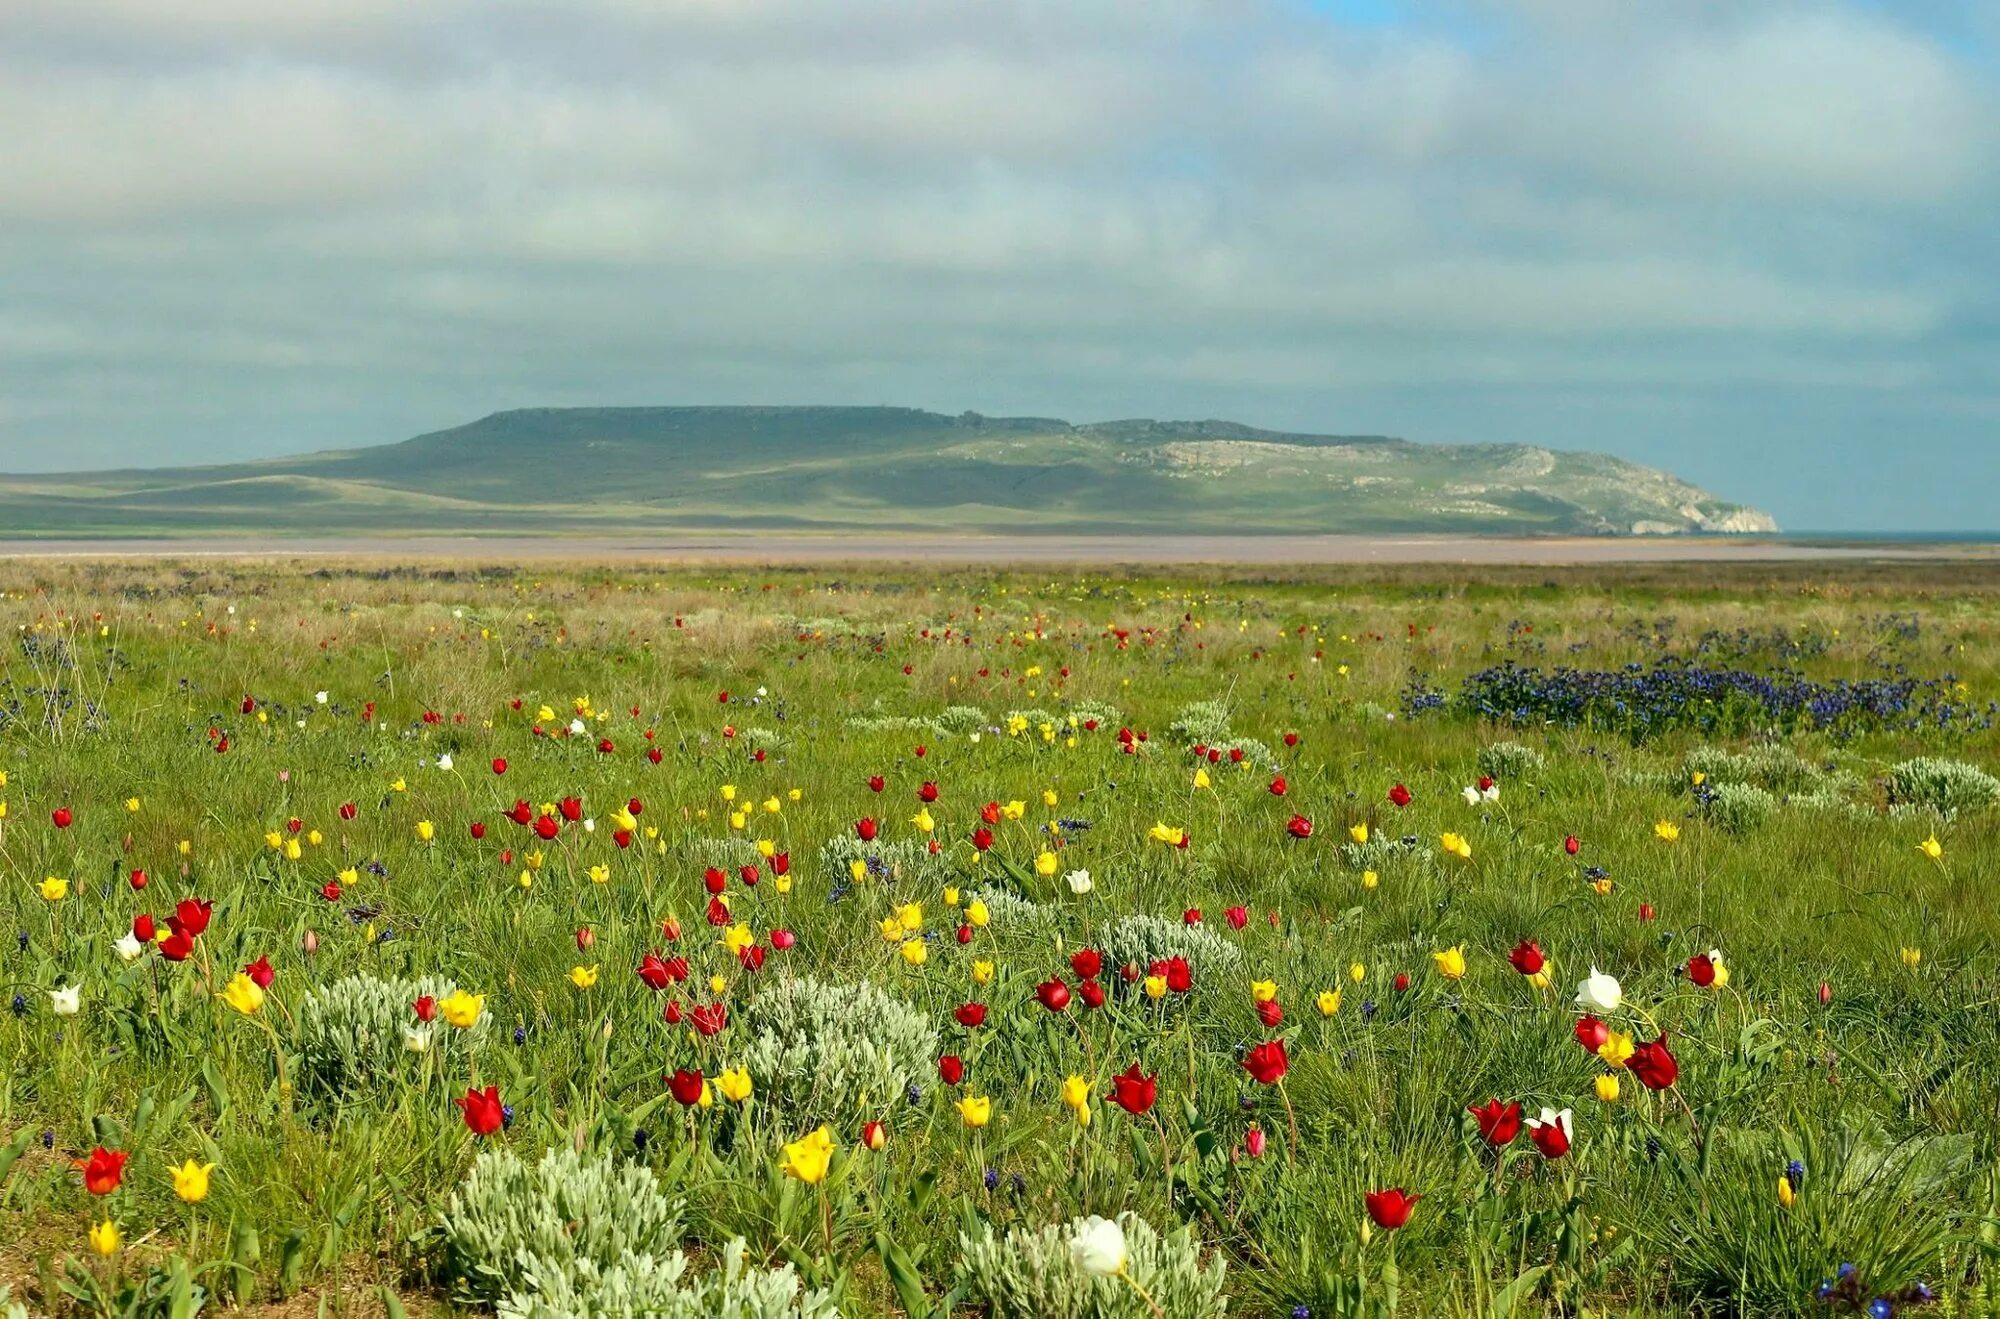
311 942
585 937
1825 993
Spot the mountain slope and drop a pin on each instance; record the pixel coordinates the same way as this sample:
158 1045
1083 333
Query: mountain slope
603 469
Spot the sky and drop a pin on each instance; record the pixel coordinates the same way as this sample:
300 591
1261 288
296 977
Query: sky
1749 241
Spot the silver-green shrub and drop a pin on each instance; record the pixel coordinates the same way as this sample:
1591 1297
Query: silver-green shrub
656 1287
1031 1275
1142 940
1206 722
1508 762
569 1215
904 860
822 1052
1945 786
356 1032
1738 807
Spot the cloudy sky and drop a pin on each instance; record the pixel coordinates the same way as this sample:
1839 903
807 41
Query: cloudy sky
1747 240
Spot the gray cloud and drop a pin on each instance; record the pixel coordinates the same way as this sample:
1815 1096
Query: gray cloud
1683 232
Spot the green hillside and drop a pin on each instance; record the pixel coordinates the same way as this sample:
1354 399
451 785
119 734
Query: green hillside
554 470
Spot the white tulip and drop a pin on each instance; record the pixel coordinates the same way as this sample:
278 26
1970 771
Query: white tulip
1097 1246
128 947
577 728
417 1039
444 761
320 697
1079 882
1600 993
1492 792
65 1002
1471 795
1551 1118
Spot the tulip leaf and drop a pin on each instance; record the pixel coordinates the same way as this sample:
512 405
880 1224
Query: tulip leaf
1516 1291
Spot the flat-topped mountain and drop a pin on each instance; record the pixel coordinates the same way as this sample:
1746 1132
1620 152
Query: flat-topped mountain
552 470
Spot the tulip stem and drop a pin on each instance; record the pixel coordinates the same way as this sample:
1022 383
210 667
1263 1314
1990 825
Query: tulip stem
1132 1282
1290 1117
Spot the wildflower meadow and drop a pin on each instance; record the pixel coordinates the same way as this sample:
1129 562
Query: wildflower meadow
570 940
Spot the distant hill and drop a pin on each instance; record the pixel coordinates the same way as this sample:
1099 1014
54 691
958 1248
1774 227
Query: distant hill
554 470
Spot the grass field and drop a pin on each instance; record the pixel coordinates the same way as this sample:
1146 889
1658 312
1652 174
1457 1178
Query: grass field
859 931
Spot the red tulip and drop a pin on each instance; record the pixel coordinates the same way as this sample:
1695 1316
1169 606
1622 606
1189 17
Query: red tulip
142 928
990 812
1238 917
686 1086
103 1170
1091 993
426 1009
1400 796
1180 977
1591 1034
260 972
1701 970
1571 845
670 929
1267 1062
782 940
138 880
193 914
586 938
781 863
1498 1125
1654 1065
1645 911
970 1015
1053 995
483 1112
1527 957
654 754
1551 1138
1390 1209
710 1018
1402 982
1192 916
1299 827
982 839
478 830
951 1069
865 829
522 813
1134 1093
874 1135
176 947
714 880
1278 786
749 875
547 827
62 817
1291 739
348 810
1825 993
571 808
927 792
499 765
1253 1141
877 783
1269 1013
1086 963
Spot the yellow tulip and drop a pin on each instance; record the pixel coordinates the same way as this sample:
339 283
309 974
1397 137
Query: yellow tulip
910 916
809 1157
951 895
462 1009
977 1110
191 1181
1328 1002
600 873
1617 1048
1450 962
1168 834
1456 844
243 994
1156 986
916 952
1358 832
1607 1088
1201 778
922 819
105 1238
426 830
734 1082
1045 864
1369 879
1911 956
976 914
1667 831
1357 973
1932 848
891 929
1014 810
1786 1195
53 889
132 805
583 977
1263 991
738 937
982 972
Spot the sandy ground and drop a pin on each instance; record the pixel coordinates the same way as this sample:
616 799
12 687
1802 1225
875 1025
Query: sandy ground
753 547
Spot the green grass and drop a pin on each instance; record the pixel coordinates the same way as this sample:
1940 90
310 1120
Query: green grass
120 681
